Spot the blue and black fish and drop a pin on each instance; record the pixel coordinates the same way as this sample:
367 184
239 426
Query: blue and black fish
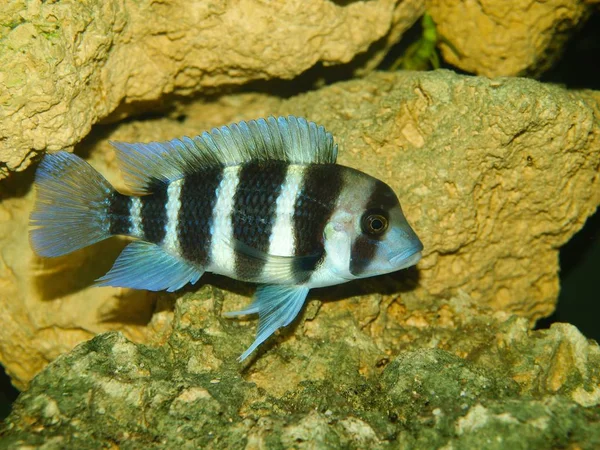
260 201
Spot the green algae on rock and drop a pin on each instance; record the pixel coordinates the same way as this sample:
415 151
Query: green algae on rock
190 392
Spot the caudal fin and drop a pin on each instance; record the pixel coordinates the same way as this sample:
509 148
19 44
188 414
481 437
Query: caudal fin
71 208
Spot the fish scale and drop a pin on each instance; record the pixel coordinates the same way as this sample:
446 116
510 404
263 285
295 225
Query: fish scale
321 188
253 214
154 214
195 220
119 214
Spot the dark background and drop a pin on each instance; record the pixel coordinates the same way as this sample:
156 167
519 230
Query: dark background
578 302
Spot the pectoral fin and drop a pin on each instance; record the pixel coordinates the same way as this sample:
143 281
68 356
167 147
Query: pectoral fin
277 306
277 269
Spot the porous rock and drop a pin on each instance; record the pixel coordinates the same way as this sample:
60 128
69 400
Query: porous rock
494 175
310 391
506 37
66 65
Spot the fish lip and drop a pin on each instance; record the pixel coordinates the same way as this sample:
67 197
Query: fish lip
411 260
408 257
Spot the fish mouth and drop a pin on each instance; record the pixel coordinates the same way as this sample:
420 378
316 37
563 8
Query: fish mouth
407 257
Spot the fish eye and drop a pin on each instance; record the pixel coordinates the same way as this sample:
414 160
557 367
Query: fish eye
374 222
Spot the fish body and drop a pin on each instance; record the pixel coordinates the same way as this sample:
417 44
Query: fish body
260 201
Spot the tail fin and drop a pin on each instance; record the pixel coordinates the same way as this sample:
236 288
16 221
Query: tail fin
71 209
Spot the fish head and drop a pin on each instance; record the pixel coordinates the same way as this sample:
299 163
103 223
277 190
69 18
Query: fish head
368 234
384 243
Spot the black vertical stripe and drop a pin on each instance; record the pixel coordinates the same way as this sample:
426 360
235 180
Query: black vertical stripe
198 197
118 213
382 197
254 211
361 255
365 246
154 213
315 204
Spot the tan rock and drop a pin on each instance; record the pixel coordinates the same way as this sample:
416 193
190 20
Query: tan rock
493 175
506 37
64 66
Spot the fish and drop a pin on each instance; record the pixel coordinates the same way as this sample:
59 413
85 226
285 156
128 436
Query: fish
261 201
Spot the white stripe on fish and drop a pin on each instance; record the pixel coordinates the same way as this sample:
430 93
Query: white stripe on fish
135 213
282 236
171 241
222 257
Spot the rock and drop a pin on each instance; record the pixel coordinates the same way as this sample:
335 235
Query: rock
494 175
506 37
309 391
65 66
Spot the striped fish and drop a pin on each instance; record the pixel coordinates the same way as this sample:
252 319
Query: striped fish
260 201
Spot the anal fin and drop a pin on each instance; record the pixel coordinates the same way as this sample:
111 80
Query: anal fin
277 306
142 265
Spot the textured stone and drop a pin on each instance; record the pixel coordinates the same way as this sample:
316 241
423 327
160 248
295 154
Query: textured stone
494 175
506 37
66 65
112 392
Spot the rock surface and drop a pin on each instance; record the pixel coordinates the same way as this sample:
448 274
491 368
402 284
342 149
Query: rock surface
506 37
66 65
494 175
323 386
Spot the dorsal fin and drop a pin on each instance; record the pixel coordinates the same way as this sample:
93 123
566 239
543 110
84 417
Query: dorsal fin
290 139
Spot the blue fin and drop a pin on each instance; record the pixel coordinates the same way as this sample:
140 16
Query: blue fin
277 306
143 265
70 210
290 139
